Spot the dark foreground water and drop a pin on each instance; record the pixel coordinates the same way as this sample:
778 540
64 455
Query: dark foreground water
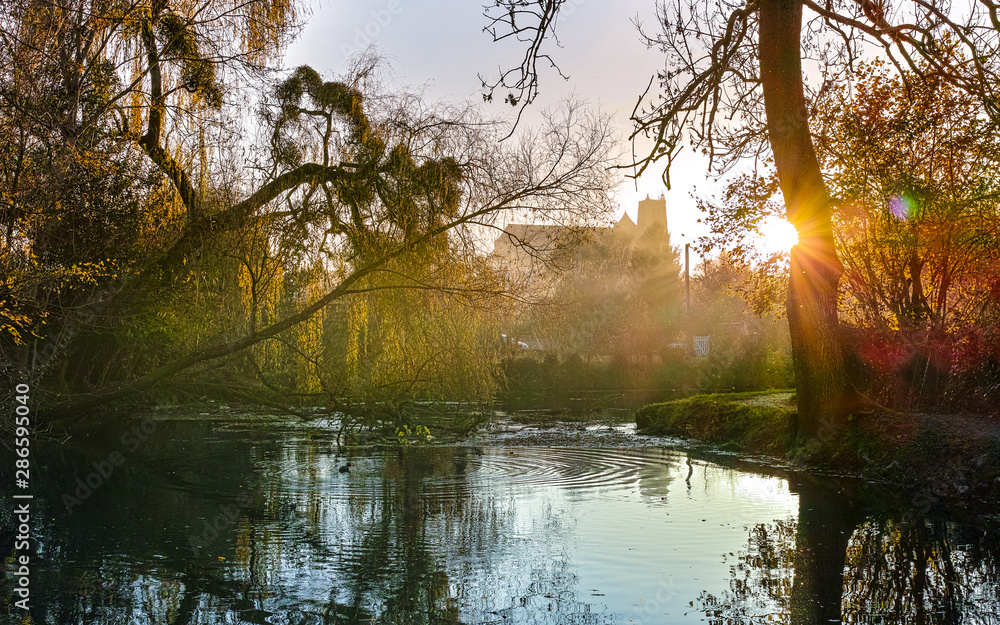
193 522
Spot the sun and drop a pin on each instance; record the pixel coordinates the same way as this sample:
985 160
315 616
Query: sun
775 235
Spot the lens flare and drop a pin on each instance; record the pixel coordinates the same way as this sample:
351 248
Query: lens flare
902 206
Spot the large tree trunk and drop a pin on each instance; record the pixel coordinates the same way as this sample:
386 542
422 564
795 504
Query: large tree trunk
820 377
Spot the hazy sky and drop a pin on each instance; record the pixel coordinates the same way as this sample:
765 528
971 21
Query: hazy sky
440 44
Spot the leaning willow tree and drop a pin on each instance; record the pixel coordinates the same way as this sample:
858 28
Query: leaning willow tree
734 86
136 113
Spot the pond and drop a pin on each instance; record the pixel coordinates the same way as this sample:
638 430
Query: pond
182 521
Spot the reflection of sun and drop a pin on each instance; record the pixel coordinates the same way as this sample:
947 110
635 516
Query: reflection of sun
775 235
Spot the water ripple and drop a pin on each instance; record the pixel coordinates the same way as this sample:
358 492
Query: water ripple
574 468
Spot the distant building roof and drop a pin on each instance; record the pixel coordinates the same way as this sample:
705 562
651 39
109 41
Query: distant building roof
522 243
531 237
625 222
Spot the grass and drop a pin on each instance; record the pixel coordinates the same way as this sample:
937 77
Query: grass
947 455
758 422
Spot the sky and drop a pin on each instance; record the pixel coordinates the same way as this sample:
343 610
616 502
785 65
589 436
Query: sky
440 45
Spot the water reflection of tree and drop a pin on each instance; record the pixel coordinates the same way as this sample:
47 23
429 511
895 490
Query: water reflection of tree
891 568
410 537
395 568
922 571
760 582
434 536
408 541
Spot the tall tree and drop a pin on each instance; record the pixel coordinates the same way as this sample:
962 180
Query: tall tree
820 379
915 216
733 86
361 178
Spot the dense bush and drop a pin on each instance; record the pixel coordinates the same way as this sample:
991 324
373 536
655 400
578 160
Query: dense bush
746 364
925 370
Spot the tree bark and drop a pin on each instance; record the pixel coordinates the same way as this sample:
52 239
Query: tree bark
818 360
150 142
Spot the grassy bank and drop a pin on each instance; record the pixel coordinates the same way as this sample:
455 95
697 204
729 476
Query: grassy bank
762 423
951 454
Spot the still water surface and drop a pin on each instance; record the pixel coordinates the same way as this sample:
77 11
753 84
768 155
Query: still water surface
210 523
